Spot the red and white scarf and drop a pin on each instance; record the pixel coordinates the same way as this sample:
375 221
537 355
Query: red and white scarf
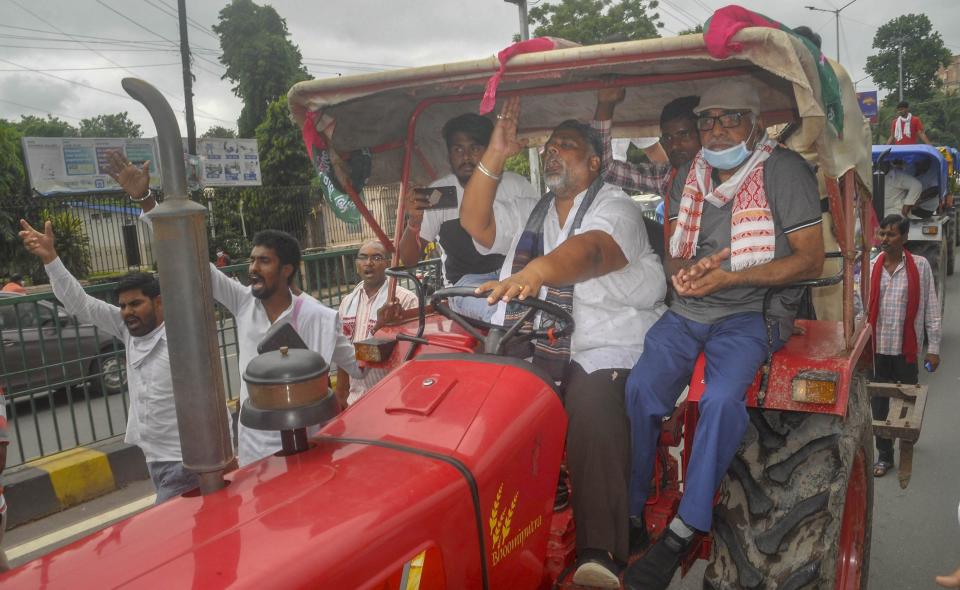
752 235
901 127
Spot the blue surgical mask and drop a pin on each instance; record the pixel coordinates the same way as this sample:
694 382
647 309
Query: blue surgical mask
728 158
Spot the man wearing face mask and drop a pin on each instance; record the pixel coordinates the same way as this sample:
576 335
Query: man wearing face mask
744 219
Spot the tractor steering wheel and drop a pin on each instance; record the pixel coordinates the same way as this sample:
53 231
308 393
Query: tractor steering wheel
498 336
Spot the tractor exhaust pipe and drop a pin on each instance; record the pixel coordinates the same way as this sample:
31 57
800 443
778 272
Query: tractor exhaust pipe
180 246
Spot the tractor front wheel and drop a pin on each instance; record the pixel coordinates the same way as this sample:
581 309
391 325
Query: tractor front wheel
796 505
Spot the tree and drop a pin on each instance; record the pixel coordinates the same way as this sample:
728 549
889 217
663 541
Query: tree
260 61
115 125
12 174
694 31
219 132
283 159
923 53
32 126
596 21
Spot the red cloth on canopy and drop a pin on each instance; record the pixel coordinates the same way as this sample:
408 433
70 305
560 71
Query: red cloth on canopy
528 46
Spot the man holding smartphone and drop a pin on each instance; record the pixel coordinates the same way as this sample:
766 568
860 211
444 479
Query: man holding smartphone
467 137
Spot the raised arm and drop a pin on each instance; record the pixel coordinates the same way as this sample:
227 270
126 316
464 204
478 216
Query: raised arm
66 288
476 210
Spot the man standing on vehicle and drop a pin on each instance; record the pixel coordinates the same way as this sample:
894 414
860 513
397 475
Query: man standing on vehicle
138 322
903 306
744 219
360 313
274 262
906 128
466 137
582 246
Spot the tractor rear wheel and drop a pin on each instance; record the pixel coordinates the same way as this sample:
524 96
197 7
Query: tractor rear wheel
796 505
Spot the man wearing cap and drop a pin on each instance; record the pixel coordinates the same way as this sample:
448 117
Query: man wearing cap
906 128
744 219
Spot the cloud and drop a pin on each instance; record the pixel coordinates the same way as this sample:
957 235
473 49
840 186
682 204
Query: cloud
334 37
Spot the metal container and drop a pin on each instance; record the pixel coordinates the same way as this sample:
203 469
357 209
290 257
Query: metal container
287 378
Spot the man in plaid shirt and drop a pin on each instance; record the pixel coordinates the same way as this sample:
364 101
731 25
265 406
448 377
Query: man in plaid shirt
679 139
903 304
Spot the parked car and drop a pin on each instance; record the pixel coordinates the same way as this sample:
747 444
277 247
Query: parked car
45 348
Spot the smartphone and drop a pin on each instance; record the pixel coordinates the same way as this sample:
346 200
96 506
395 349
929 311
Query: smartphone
280 334
437 197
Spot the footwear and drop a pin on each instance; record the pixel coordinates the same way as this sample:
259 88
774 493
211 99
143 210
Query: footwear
880 468
597 569
639 538
655 569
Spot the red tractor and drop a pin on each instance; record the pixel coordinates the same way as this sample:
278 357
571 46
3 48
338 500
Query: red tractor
444 475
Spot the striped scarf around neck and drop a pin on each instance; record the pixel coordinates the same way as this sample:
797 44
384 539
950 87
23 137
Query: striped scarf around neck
552 355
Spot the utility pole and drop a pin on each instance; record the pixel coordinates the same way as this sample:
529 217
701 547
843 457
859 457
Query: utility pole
836 14
900 69
187 78
533 153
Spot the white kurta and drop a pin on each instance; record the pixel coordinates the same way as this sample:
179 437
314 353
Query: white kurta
152 419
316 324
612 312
359 314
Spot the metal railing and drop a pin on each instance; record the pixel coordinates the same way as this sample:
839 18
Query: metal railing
103 229
65 381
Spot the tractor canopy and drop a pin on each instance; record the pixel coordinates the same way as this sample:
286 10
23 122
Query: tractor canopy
399 114
916 159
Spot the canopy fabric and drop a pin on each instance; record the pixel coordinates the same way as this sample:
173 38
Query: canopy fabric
375 110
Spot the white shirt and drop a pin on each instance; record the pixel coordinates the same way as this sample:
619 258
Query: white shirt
359 314
899 189
612 312
316 324
513 191
152 419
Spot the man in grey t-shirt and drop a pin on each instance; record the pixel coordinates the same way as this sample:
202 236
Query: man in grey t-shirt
744 218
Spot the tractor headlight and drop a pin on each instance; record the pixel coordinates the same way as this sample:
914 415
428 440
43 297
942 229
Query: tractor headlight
374 350
815 387
931 230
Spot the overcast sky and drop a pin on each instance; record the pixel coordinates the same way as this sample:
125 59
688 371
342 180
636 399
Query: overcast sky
45 69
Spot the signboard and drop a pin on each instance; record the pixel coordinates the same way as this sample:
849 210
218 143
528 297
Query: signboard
229 162
868 105
79 165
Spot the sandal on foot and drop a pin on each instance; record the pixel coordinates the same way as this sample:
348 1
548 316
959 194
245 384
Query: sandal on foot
880 468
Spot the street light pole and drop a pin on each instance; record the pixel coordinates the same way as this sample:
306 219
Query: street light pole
533 154
836 14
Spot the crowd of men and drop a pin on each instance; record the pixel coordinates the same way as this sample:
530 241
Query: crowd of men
742 215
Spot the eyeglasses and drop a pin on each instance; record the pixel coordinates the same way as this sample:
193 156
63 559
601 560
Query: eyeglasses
371 257
727 120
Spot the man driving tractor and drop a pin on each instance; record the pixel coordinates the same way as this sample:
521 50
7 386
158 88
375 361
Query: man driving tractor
582 246
744 219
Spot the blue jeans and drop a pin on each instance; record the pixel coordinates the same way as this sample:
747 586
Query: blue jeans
473 307
171 479
735 348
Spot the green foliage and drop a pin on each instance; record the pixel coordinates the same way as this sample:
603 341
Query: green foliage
596 21
32 126
71 243
519 164
13 178
283 159
260 61
694 31
219 132
115 125
923 53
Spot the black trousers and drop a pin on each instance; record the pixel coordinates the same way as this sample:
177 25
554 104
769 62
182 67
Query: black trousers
890 369
598 457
